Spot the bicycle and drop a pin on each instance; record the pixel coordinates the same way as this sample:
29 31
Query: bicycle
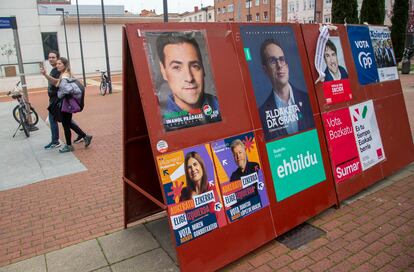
20 112
105 85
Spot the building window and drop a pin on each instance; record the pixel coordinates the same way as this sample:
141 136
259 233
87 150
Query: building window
200 19
304 4
230 8
257 2
327 18
292 6
328 1
50 42
195 18
265 15
209 16
310 20
189 19
248 17
248 3
297 5
265 2
218 10
311 4
257 17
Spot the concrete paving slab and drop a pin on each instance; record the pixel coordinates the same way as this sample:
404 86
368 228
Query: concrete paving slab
400 175
161 231
35 264
118 246
24 160
156 260
103 269
86 256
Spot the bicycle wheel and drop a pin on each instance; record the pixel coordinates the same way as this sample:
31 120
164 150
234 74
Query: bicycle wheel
33 114
103 88
24 123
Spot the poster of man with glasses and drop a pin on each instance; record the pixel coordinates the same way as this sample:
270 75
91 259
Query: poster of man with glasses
279 85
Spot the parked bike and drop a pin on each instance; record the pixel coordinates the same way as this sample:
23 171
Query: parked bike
105 85
406 60
27 119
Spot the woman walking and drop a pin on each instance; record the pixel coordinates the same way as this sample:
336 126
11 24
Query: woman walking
66 89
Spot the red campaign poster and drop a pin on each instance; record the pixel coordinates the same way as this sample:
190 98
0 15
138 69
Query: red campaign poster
337 91
341 142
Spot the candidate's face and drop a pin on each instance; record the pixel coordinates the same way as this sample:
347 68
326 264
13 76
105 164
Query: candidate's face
331 60
194 170
184 73
276 66
52 59
240 157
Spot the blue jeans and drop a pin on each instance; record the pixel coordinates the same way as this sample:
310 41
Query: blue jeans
54 129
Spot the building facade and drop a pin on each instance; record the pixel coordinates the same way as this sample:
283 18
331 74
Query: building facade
294 11
204 14
244 10
41 29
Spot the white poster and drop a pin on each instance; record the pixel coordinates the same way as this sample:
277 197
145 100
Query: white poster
384 53
367 135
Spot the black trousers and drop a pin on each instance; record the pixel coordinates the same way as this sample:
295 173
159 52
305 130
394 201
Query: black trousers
68 125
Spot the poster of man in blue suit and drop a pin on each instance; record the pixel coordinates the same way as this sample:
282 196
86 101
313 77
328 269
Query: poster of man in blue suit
279 85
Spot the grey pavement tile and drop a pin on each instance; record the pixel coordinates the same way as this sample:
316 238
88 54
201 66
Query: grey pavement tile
103 269
127 243
35 264
156 260
85 256
400 175
24 160
410 167
160 229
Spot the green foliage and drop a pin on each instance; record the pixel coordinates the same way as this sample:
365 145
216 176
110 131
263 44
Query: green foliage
372 12
398 28
344 11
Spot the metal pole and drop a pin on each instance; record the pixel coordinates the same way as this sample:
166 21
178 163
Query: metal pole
20 63
108 69
165 4
80 42
64 27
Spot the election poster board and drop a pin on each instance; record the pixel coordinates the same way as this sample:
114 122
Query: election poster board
295 163
192 193
240 175
275 68
363 54
342 146
367 134
182 78
336 87
384 52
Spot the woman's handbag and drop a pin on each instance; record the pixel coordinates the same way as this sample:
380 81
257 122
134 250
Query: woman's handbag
70 105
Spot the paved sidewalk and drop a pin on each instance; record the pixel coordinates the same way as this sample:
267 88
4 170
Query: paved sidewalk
373 231
24 160
75 221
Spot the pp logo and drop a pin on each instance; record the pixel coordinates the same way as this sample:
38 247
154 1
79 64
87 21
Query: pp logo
365 60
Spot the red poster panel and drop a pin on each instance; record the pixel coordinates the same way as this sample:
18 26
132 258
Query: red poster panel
193 94
341 142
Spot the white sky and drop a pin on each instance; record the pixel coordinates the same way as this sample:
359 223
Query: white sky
136 6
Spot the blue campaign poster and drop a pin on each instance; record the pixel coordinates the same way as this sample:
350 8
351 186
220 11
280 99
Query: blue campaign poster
278 81
363 54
